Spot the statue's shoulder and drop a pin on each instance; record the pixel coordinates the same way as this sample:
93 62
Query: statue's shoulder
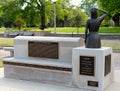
89 20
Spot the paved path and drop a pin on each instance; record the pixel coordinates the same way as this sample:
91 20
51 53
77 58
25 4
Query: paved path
116 58
7 84
4 53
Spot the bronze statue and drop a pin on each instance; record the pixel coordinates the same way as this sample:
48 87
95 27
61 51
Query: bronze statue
92 39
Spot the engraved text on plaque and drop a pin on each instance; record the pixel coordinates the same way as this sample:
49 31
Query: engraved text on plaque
43 49
87 65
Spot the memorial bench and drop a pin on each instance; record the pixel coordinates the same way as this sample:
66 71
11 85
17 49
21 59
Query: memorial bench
42 59
62 61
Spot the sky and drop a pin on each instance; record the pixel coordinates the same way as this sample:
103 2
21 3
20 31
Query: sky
76 2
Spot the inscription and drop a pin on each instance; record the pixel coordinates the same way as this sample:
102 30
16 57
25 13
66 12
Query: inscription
107 64
87 65
93 83
43 49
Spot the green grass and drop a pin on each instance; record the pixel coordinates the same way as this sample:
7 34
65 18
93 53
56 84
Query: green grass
82 30
6 42
109 30
1 62
66 29
114 44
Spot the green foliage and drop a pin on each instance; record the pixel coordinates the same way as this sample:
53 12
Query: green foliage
87 4
19 22
37 12
80 17
78 20
112 6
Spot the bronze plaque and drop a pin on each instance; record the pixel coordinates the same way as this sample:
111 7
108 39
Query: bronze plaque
93 83
43 49
107 64
87 65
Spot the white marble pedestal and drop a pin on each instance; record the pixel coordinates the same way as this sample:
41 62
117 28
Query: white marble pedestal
92 68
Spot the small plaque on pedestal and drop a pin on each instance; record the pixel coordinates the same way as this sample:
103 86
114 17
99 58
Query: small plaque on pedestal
93 83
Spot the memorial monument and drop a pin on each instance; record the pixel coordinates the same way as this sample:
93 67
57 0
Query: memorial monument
92 64
42 59
63 60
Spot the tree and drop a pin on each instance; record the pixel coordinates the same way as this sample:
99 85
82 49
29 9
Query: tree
38 12
9 12
64 13
87 4
19 22
78 20
113 8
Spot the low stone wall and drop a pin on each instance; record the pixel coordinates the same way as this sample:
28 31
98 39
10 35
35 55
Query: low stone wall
47 33
26 33
103 36
1 35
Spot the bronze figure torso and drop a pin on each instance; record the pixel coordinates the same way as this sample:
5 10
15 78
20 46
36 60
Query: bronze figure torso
92 39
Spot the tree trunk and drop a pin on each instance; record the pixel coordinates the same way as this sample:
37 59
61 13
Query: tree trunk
116 19
42 17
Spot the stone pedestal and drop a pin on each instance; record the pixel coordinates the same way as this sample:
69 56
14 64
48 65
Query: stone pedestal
92 68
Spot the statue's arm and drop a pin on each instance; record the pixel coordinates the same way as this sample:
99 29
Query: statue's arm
104 15
102 10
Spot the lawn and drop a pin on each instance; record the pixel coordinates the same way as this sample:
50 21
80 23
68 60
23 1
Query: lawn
67 29
82 30
111 43
6 42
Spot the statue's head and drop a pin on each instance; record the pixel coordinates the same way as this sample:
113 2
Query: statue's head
93 12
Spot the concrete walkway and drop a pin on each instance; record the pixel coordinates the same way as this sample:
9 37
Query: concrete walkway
7 84
4 53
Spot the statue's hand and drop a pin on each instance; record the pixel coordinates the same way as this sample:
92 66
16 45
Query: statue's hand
102 10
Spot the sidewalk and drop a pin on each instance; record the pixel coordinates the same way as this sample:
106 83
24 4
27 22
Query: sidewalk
7 84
